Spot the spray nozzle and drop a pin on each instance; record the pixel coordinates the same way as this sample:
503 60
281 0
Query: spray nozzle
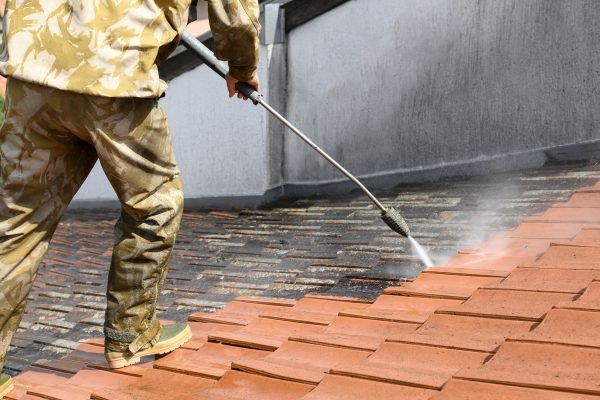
395 221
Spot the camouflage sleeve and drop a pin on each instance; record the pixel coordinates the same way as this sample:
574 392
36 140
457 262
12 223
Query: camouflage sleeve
235 27
176 13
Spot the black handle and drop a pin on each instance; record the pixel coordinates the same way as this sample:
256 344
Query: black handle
213 63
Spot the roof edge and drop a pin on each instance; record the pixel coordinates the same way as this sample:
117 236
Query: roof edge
297 13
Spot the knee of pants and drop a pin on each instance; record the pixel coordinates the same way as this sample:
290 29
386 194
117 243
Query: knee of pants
161 208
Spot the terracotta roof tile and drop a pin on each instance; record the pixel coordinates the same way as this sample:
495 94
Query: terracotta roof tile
465 333
458 389
508 304
236 385
561 214
579 328
589 300
442 286
513 318
413 365
582 200
548 280
540 230
542 366
301 362
337 387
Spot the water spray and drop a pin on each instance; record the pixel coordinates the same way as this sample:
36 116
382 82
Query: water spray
390 215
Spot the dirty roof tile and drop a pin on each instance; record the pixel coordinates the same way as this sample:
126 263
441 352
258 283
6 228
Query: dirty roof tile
337 387
542 366
508 304
464 333
414 365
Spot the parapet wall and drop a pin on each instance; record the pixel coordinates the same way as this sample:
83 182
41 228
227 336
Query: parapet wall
396 90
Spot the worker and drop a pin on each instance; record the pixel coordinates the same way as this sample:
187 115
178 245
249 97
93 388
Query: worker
83 85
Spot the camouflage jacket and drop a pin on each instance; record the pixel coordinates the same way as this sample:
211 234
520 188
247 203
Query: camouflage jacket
112 47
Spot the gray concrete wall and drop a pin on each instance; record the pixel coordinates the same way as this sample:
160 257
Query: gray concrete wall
391 86
396 90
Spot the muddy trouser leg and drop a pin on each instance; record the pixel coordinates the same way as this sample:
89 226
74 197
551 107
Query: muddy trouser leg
41 168
133 144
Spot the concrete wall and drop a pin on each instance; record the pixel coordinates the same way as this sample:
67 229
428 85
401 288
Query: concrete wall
395 85
396 90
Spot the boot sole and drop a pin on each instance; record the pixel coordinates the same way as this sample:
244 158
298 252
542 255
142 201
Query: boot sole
121 360
6 388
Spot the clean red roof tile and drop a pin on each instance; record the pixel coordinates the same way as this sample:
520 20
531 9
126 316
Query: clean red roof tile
54 392
406 309
299 316
327 305
590 189
504 245
498 262
241 386
413 365
573 327
266 301
69 366
265 333
458 389
543 366
154 384
242 310
571 257
356 333
34 375
547 280
508 304
211 360
589 300
93 379
442 286
585 238
581 200
539 230
560 214
494 273
346 388
222 317
201 331
301 362
466 333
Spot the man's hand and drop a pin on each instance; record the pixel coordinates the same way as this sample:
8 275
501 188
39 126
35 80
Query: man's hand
231 81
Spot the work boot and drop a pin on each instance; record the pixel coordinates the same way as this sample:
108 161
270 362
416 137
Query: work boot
6 385
171 337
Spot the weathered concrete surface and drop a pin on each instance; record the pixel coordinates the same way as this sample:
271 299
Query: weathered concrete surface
397 85
397 91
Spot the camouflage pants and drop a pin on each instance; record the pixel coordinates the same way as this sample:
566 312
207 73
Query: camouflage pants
48 144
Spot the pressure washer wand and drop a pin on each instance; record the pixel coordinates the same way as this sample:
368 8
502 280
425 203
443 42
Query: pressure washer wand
389 214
